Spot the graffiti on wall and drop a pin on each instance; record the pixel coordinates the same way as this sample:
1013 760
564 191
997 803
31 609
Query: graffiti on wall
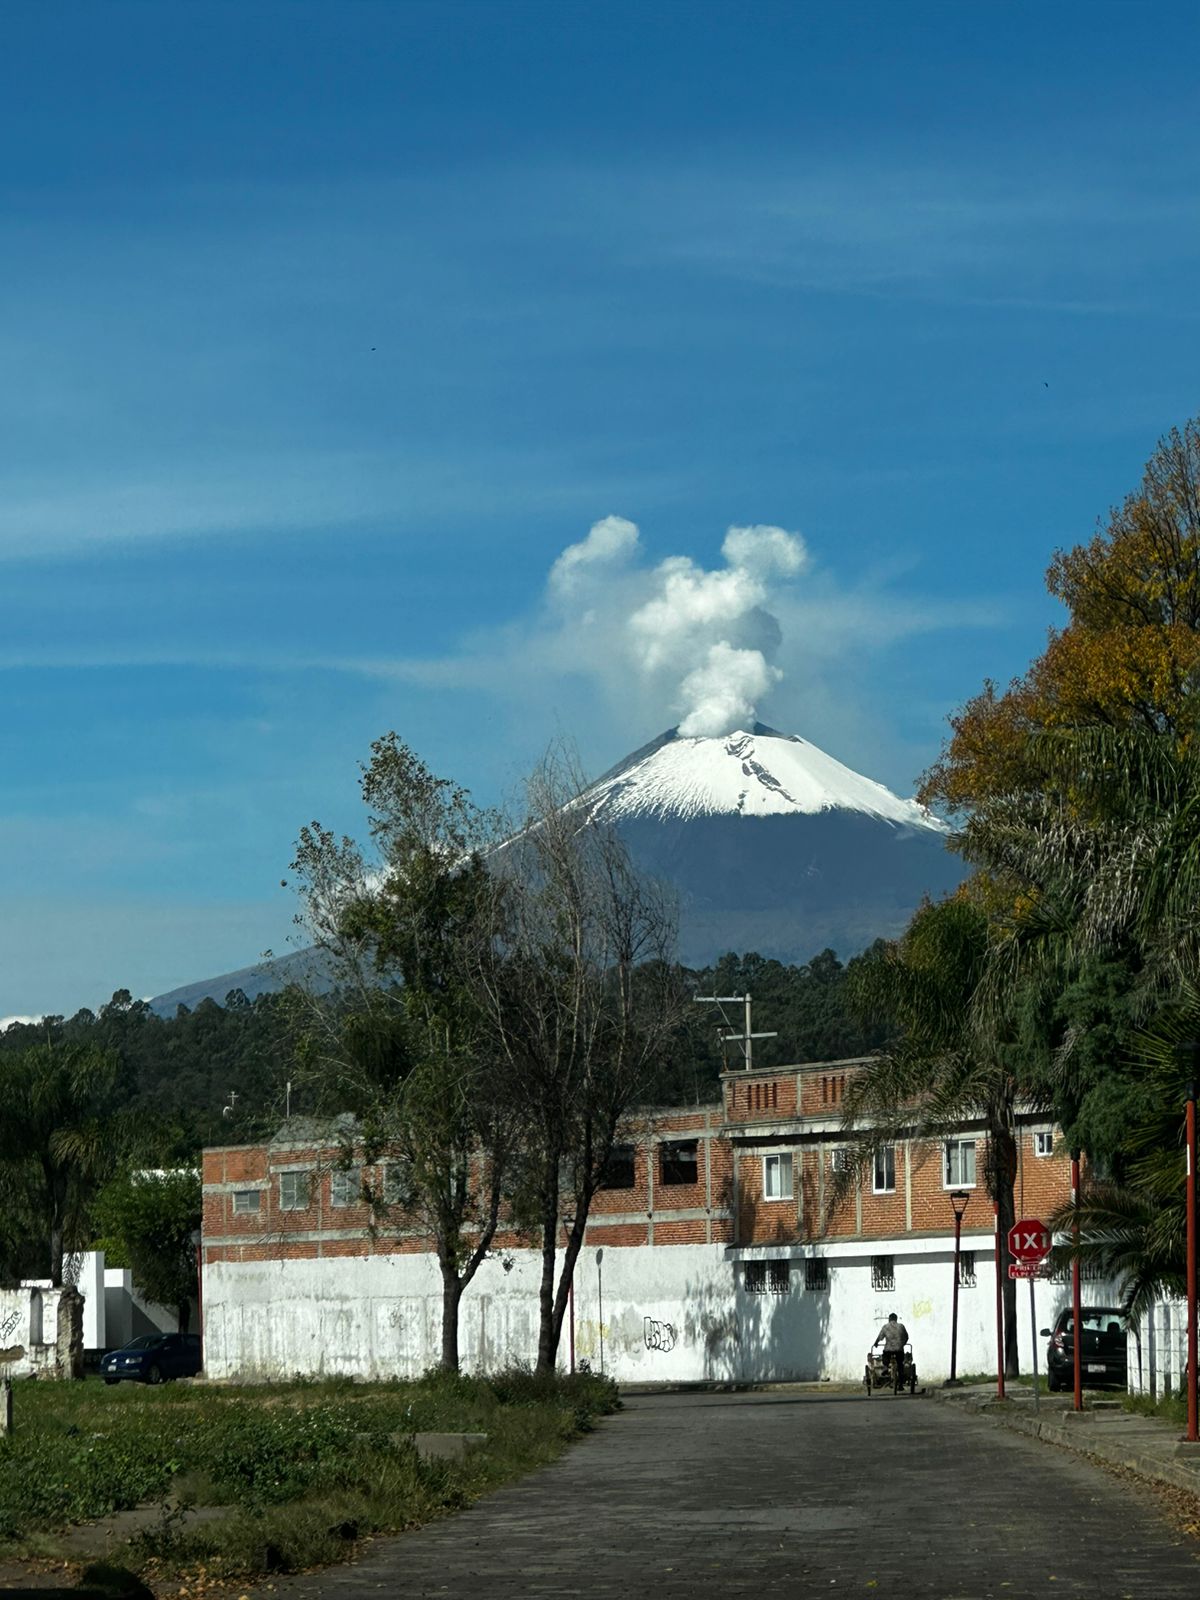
659 1335
9 1323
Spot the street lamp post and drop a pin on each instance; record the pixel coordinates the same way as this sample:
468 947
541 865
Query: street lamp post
959 1200
568 1224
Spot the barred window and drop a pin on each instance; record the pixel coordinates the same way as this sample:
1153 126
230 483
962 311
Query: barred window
883 1273
842 1158
766 1277
816 1274
345 1187
966 1269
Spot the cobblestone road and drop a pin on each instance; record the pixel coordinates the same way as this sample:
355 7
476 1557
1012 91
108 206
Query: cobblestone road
793 1493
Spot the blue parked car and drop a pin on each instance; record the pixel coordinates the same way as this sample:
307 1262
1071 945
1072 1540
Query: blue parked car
154 1357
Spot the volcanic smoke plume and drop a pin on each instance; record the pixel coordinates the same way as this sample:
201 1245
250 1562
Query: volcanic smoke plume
706 638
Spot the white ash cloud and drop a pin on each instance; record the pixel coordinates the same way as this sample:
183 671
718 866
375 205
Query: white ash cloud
703 639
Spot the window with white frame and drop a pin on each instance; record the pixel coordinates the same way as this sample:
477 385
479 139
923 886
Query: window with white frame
1043 1143
246 1202
777 1176
293 1191
959 1167
345 1187
883 1180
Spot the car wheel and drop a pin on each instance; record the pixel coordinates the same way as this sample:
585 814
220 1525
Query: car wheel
112 1380
154 1374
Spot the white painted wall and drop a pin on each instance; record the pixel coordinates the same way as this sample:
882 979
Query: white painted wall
662 1314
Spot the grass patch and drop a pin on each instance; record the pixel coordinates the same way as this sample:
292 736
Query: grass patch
303 1468
1171 1408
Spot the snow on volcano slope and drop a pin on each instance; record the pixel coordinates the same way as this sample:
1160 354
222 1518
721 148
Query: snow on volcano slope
757 774
772 845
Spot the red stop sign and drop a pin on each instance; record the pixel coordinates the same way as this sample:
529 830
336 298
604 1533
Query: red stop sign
1029 1240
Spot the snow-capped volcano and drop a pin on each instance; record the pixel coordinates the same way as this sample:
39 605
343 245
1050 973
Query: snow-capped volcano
771 844
757 774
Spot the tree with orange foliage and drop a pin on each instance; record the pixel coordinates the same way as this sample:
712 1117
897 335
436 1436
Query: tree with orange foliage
1129 655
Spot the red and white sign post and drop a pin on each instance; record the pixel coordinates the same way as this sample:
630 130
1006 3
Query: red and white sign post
1029 1244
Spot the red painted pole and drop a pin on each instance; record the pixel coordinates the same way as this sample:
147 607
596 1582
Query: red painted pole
1192 1433
1076 1297
999 1306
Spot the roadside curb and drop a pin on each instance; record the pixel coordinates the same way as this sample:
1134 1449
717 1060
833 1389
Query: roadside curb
1140 1445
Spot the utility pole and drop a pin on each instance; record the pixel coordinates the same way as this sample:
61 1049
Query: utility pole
747 1035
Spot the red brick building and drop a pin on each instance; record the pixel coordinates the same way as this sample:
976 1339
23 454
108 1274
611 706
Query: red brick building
714 1251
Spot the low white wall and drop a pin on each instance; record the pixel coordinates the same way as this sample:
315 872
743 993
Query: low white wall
1158 1350
652 1314
29 1331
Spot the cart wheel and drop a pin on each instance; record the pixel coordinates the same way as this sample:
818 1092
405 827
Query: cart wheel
867 1382
912 1380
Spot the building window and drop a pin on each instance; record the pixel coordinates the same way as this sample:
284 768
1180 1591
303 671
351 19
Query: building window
966 1269
777 1177
1043 1144
618 1169
245 1201
959 1168
679 1163
883 1274
293 1191
816 1274
345 1187
394 1186
766 1277
884 1180
841 1159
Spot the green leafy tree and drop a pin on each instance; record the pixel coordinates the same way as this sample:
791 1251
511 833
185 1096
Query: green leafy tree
403 1044
153 1218
59 1138
945 1064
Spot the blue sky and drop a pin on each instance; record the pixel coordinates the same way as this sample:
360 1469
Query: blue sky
325 329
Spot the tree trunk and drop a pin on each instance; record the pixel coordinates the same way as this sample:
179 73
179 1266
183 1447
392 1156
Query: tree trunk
56 1253
451 1298
547 1331
1004 1178
562 1298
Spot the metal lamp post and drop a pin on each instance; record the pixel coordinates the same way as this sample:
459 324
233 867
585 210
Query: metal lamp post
959 1200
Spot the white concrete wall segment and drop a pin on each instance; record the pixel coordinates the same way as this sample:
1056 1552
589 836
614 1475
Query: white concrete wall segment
674 1313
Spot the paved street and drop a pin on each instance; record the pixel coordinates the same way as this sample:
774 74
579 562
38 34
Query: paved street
794 1492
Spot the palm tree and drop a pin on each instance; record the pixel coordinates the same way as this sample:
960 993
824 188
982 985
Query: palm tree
945 1065
58 1136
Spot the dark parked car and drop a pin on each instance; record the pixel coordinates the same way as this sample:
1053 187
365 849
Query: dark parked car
153 1357
1102 1352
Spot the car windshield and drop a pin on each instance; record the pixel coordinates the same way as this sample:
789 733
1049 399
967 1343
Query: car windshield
146 1342
1095 1322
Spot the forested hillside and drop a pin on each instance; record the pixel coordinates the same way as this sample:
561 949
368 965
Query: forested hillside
179 1073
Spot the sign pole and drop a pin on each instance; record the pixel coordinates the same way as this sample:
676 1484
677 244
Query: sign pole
1033 1336
999 1306
1192 1380
1076 1296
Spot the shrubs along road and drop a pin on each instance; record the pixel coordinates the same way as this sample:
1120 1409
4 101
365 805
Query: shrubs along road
298 1472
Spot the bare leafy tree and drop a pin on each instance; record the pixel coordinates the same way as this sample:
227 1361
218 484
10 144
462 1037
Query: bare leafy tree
582 993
